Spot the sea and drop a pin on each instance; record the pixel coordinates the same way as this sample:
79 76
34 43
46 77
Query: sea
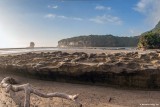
44 49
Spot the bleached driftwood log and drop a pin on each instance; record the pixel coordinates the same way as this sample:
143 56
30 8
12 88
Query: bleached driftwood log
9 84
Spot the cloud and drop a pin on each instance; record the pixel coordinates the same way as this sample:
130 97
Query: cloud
50 16
54 16
149 8
77 18
134 32
62 17
131 31
102 8
106 19
53 6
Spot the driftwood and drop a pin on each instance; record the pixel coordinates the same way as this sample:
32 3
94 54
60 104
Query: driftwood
9 84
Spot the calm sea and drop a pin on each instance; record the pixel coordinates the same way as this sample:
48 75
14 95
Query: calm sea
24 50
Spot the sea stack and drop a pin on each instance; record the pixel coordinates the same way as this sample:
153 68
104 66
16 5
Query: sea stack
32 44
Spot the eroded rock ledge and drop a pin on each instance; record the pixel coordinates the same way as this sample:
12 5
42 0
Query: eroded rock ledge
125 69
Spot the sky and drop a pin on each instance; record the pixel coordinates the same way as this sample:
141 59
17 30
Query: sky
45 22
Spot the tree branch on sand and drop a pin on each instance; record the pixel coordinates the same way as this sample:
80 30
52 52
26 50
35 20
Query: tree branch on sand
9 84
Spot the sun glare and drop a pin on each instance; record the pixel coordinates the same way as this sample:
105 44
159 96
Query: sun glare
7 42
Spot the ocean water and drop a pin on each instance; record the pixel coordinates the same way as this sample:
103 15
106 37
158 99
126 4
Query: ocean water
25 50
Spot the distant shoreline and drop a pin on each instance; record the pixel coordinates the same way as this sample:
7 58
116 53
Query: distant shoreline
63 47
111 50
25 48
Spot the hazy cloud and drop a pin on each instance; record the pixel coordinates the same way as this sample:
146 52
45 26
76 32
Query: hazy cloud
100 7
53 16
62 17
53 6
50 16
77 18
134 32
150 8
106 19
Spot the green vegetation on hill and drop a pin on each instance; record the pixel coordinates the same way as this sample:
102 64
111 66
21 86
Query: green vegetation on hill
150 39
99 41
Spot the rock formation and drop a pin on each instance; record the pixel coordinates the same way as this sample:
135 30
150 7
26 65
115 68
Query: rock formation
32 44
130 69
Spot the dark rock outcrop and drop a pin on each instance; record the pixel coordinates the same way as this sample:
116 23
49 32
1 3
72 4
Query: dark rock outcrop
32 44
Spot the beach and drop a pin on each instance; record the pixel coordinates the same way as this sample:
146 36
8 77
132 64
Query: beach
90 94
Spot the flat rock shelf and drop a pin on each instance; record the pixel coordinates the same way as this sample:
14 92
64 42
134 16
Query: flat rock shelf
128 69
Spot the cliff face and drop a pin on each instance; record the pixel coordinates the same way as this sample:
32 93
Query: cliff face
99 41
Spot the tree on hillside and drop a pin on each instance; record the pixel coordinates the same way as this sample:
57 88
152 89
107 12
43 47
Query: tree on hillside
149 40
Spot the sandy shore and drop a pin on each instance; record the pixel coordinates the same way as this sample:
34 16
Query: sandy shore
90 96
